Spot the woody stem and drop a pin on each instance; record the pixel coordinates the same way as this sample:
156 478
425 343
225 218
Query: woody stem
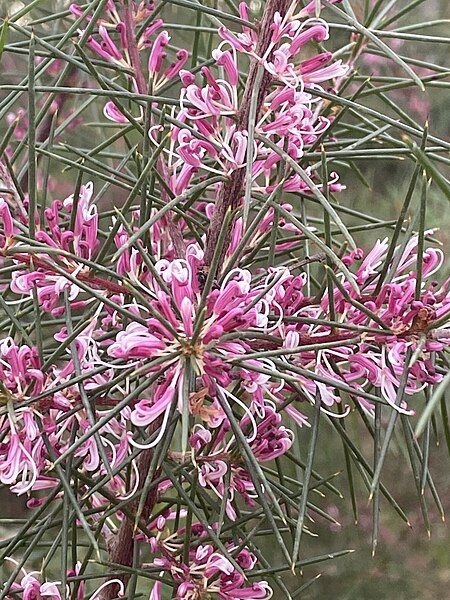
231 190
141 83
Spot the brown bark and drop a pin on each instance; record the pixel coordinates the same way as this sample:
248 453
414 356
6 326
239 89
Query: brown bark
130 35
121 548
232 189
173 230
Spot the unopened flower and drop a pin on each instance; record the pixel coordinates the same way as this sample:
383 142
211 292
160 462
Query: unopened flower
207 572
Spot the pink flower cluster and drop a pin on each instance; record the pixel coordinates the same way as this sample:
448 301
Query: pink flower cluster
215 457
290 116
256 342
112 45
207 571
31 587
146 338
206 137
24 459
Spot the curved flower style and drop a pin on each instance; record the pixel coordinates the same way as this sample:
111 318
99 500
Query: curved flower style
215 458
24 458
207 571
205 351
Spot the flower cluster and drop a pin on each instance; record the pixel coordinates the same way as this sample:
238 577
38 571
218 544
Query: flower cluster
39 417
153 352
206 571
255 342
31 586
208 136
219 458
217 140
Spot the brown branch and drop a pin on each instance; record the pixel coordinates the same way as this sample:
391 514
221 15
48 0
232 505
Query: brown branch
133 52
232 189
121 548
173 231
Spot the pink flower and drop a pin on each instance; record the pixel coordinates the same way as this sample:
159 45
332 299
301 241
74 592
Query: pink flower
157 53
310 8
242 42
207 572
228 62
7 229
33 589
156 593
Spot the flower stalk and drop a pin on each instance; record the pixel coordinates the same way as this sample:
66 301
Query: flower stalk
256 87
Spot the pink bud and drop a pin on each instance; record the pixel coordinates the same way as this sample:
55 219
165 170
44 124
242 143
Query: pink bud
107 44
311 8
318 33
175 67
76 10
226 60
153 27
6 217
157 53
187 78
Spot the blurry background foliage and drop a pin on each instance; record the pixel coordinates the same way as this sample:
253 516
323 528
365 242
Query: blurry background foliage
408 563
